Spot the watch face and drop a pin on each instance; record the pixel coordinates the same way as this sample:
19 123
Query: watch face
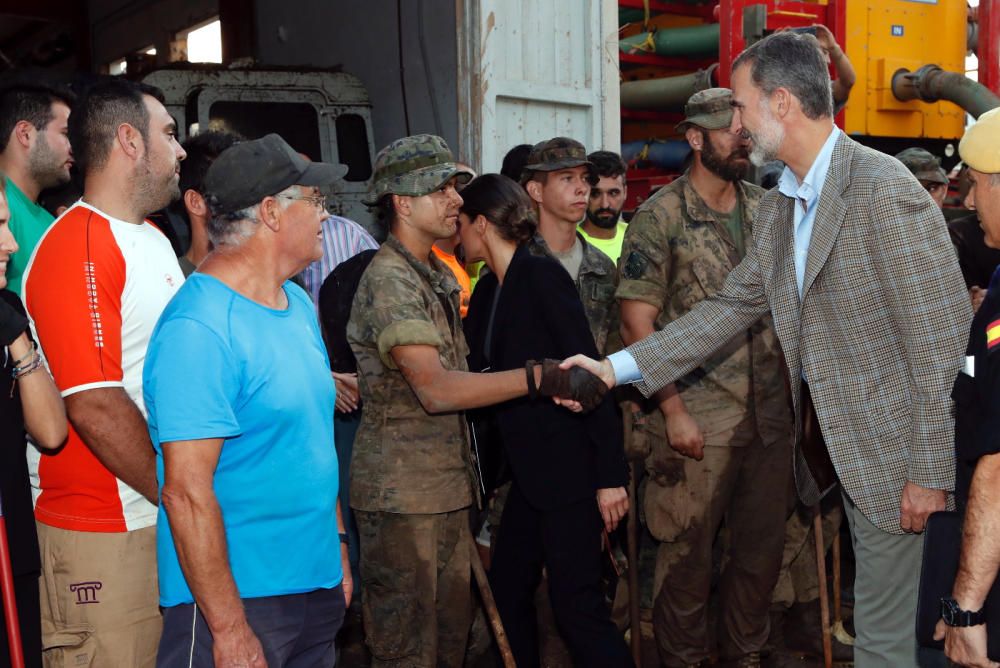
948 611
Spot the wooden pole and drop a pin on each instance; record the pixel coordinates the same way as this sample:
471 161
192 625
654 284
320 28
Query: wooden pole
633 569
824 596
490 606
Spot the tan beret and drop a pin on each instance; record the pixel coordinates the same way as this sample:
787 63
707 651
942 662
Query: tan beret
980 147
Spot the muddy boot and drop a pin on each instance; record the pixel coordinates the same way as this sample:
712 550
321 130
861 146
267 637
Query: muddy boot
803 632
751 660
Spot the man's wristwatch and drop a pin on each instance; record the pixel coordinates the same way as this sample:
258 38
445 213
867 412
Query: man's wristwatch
953 615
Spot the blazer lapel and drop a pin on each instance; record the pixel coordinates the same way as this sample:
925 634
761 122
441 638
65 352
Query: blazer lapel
829 213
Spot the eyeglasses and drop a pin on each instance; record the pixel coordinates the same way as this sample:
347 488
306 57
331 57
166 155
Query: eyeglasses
317 201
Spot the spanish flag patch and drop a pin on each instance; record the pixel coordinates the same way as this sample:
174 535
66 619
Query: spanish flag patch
993 334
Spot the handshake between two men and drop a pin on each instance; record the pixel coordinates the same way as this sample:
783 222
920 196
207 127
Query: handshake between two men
578 383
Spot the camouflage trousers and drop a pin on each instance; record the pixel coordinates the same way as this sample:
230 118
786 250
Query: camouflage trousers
685 502
417 595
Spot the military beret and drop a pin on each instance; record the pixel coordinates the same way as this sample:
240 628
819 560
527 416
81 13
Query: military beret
980 147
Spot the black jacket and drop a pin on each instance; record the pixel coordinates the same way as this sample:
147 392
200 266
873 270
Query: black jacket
556 457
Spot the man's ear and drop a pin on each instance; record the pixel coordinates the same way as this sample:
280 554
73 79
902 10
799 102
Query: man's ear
694 137
23 133
402 204
195 203
269 213
781 101
129 140
534 189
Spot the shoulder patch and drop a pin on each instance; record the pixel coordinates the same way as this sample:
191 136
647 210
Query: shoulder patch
636 264
993 335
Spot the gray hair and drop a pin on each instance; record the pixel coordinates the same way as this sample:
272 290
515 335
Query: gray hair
234 227
794 62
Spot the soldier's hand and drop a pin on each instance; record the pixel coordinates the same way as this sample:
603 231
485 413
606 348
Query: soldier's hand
613 504
684 435
575 383
237 647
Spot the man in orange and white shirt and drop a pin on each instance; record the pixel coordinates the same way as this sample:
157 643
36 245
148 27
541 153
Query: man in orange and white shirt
94 288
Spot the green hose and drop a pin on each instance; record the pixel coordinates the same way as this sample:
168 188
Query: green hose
701 40
668 93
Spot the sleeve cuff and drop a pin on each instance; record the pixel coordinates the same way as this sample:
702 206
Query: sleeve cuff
406 333
626 370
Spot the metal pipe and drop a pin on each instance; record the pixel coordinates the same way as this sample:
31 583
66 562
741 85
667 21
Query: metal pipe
930 83
700 40
666 93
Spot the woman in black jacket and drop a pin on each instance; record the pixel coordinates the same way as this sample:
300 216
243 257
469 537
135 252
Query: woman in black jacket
28 400
568 469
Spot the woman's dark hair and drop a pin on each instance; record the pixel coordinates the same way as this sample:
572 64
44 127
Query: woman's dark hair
504 203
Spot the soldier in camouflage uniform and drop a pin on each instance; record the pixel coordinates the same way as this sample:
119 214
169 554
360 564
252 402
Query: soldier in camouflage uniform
927 168
412 477
719 439
558 177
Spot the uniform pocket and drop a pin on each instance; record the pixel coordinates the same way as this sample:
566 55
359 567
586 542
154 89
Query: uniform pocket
69 647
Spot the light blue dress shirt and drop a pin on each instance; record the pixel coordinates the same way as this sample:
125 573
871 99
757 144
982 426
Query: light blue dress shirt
806 196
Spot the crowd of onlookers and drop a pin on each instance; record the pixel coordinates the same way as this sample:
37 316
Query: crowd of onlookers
232 444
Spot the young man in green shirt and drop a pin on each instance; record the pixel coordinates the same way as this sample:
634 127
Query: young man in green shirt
603 227
35 154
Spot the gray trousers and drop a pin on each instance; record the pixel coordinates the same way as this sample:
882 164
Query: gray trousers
885 596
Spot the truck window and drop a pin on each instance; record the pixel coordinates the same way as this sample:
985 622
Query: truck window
296 122
352 144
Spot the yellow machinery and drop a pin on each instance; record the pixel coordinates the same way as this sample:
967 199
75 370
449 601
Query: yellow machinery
886 36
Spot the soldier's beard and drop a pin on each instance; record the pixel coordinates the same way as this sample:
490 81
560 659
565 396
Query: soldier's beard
607 221
731 168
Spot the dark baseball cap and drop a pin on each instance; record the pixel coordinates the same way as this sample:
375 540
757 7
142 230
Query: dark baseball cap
249 171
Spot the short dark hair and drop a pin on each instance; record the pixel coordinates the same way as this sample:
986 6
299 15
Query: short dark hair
514 161
102 108
503 203
608 163
384 211
793 61
202 149
30 102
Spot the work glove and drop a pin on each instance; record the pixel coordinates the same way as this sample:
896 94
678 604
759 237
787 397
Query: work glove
12 323
574 383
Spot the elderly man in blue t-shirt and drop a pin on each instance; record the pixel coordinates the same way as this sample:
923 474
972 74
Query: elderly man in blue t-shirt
240 401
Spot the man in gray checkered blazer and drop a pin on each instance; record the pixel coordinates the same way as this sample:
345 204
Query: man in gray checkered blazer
852 258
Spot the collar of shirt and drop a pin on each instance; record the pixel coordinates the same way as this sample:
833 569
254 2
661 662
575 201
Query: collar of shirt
806 196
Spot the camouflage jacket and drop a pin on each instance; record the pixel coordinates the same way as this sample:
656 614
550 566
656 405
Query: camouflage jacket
596 285
677 253
406 460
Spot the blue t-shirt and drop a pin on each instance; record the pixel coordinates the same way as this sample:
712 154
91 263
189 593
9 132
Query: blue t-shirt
222 366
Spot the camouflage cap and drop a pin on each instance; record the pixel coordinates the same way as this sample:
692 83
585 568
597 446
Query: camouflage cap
557 153
710 109
414 166
923 165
